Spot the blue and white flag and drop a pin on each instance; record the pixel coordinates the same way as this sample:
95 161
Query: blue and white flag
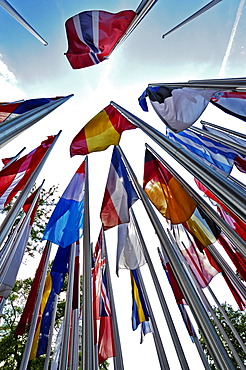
66 223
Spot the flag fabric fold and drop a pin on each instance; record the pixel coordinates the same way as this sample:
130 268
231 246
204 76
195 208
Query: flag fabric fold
14 177
100 132
65 225
231 102
92 35
119 194
139 309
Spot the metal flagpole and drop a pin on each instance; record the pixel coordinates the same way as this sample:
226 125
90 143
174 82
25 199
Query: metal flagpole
14 158
6 260
10 129
196 14
239 183
28 347
87 321
214 344
229 85
168 317
230 194
156 335
238 80
228 231
63 364
50 337
13 213
222 140
227 130
21 20
118 359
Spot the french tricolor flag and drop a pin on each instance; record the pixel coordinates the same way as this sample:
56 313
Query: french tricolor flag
66 223
119 194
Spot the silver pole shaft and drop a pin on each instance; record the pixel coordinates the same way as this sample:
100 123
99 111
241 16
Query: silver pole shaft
28 347
74 349
229 232
200 314
118 360
156 335
13 213
239 134
204 85
10 129
201 353
21 20
52 324
161 297
14 158
231 195
237 182
228 321
193 16
87 318
63 364
222 140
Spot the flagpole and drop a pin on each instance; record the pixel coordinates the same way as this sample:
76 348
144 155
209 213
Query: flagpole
227 130
118 359
231 195
214 344
50 336
12 128
156 335
13 159
193 16
222 140
21 20
239 183
87 319
13 213
230 85
28 347
228 231
6 260
63 364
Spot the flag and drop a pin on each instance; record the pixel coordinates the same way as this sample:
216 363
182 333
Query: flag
236 224
139 309
165 192
231 102
8 282
178 108
187 322
27 313
14 109
146 328
129 249
119 194
99 262
14 177
92 35
65 225
216 155
240 160
100 132
76 281
57 349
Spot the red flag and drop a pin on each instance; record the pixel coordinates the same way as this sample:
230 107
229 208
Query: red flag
14 178
105 342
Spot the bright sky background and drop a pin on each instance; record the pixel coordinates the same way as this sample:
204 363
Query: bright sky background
30 70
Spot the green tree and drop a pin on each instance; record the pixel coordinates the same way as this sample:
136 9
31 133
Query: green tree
238 319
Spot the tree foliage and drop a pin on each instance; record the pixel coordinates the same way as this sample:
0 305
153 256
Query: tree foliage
238 320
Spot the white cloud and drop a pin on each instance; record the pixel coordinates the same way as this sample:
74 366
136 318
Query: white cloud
9 89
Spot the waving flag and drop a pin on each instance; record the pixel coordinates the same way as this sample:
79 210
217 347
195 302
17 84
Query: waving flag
232 102
139 309
119 194
65 225
100 132
14 177
92 35
178 108
216 155
15 109
165 192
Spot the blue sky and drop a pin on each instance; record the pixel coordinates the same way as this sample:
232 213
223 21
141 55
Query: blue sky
29 70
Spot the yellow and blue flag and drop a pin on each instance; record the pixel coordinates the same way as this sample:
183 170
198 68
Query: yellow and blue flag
139 309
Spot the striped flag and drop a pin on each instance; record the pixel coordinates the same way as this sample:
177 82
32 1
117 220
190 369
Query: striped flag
139 308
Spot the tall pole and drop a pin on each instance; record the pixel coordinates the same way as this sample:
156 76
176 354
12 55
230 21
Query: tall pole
13 213
227 130
14 158
63 364
118 360
87 321
10 129
214 344
228 231
52 324
230 84
196 14
21 20
230 194
28 347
